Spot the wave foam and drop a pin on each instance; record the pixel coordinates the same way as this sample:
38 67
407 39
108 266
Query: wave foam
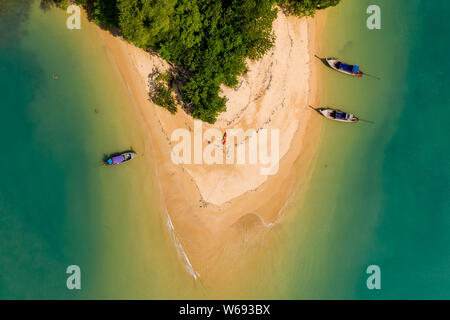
180 250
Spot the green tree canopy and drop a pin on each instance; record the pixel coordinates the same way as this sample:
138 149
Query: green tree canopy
210 39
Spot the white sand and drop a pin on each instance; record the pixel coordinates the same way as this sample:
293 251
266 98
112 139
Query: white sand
272 95
209 204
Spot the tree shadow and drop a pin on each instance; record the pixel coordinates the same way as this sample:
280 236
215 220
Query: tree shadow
46 5
178 78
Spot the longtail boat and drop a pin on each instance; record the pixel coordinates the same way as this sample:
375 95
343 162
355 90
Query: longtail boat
337 115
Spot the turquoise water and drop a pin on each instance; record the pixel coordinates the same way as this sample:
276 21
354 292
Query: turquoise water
380 191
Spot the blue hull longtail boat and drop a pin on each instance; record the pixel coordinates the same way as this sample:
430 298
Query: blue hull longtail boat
352 70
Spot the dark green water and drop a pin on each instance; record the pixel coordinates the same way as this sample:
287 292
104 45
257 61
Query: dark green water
380 191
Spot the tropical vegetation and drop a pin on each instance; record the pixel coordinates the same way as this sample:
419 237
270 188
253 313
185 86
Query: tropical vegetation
209 39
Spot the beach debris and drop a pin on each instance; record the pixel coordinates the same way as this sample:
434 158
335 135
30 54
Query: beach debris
203 204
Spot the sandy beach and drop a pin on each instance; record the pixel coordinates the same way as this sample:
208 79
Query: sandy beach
210 207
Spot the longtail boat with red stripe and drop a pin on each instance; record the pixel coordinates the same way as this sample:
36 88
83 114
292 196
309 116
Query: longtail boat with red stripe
352 70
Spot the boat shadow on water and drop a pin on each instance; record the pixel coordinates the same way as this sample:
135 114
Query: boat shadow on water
324 61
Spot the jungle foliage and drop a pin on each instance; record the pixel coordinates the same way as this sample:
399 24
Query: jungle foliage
209 39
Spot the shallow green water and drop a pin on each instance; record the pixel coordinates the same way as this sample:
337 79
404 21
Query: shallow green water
380 191
58 205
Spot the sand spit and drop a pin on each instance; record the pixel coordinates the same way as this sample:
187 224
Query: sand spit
208 203
270 96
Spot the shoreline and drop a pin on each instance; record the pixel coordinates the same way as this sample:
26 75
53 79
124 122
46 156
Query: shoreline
203 230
